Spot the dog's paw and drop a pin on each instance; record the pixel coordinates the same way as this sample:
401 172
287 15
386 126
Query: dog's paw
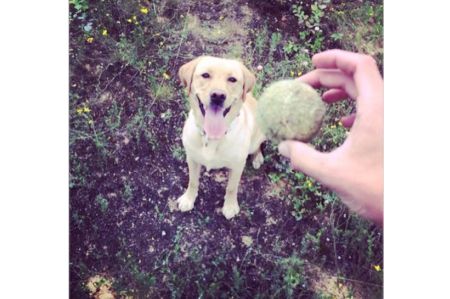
258 160
185 203
230 210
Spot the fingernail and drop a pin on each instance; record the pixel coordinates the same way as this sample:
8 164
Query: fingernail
283 148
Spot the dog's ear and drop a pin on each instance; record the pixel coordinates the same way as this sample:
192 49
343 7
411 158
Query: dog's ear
249 81
186 72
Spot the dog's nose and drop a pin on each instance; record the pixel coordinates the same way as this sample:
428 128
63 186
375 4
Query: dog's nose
217 97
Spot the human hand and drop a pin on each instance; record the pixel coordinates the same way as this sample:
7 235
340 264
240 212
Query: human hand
355 169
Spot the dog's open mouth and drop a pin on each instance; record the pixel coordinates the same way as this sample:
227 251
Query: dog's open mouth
214 124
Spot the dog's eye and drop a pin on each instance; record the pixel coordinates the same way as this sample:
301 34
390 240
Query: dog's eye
205 75
232 79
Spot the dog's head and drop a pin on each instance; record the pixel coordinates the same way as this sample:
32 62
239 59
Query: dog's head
216 89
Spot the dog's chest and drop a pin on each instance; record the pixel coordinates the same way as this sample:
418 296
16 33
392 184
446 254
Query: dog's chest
214 155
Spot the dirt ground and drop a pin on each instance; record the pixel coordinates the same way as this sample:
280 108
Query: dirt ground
127 169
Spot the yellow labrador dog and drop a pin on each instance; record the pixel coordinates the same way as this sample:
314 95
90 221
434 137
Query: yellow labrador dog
220 130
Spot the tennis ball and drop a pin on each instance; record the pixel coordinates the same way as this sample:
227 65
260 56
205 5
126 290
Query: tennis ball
290 109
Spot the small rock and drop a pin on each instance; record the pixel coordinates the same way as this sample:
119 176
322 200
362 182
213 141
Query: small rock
270 221
173 205
100 287
106 96
220 177
247 240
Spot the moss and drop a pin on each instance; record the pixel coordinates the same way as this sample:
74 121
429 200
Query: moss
224 30
162 91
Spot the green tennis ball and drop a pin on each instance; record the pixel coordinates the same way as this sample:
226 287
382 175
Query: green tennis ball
290 109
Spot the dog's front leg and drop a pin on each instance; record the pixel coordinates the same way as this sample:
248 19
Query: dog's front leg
186 201
231 206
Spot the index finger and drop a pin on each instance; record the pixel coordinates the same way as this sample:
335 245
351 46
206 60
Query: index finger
330 79
362 68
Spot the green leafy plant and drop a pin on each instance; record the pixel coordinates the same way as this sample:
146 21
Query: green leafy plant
178 153
310 24
291 47
337 36
102 202
275 40
79 5
294 274
127 191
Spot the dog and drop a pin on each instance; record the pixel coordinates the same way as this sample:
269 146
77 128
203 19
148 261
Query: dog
220 130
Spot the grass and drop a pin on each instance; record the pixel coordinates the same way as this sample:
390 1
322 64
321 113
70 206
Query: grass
293 237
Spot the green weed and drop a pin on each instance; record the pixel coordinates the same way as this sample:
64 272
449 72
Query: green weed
102 202
127 193
178 153
293 275
261 40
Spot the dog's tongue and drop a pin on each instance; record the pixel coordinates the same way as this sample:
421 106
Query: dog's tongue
214 124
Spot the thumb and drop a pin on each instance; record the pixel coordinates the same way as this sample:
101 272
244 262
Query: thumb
306 159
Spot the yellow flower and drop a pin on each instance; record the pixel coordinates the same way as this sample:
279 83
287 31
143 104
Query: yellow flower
292 73
144 10
90 121
104 32
166 76
340 124
377 268
90 39
79 110
332 127
133 20
299 73
86 109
